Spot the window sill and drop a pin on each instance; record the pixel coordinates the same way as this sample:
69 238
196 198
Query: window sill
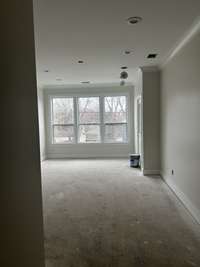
86 144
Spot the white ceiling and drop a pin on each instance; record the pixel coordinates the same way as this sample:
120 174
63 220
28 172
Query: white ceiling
97 32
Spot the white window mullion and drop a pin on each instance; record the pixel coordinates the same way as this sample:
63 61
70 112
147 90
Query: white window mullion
102 128
52 119
75 120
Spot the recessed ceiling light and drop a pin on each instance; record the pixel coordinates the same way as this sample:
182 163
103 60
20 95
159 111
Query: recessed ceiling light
124 67
58 79
153 55
86 82
80 61
46 70
134 20
128 52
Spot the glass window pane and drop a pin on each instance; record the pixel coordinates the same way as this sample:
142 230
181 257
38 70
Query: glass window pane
63 111
116 133
88 109
63 134
115 109
89 134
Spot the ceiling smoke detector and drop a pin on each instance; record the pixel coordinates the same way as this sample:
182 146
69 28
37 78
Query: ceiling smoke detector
123 76
134 20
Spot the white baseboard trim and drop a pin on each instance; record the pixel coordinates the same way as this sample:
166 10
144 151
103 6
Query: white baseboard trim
193 210
151 172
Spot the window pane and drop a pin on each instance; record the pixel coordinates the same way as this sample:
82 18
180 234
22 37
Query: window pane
115 109
89 134
116 133
63 111
63 134
88 109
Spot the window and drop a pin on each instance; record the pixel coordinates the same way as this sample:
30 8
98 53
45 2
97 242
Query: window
88 120
98 119
63 120
115 119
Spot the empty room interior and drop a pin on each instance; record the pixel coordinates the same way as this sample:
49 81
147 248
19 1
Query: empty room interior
100 133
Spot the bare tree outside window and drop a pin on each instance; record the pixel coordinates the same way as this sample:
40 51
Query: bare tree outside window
88 126
115 109
89 120
63 120
115 119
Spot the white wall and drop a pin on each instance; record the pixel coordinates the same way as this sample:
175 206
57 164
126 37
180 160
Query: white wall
151 120
180 124
41 116
21 228
89 150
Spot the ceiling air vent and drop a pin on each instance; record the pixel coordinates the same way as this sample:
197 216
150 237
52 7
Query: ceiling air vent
152 56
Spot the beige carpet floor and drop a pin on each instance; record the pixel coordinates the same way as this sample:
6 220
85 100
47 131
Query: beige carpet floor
102 213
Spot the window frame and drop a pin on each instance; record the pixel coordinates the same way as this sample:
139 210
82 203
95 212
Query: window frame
101 96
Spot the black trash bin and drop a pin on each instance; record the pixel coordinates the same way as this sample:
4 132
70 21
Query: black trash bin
134 160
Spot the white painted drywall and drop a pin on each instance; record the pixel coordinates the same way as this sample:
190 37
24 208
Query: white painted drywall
41 124
89 150
151 120
21 228
180 124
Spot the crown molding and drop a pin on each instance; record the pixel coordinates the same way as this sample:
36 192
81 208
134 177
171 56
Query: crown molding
186 38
